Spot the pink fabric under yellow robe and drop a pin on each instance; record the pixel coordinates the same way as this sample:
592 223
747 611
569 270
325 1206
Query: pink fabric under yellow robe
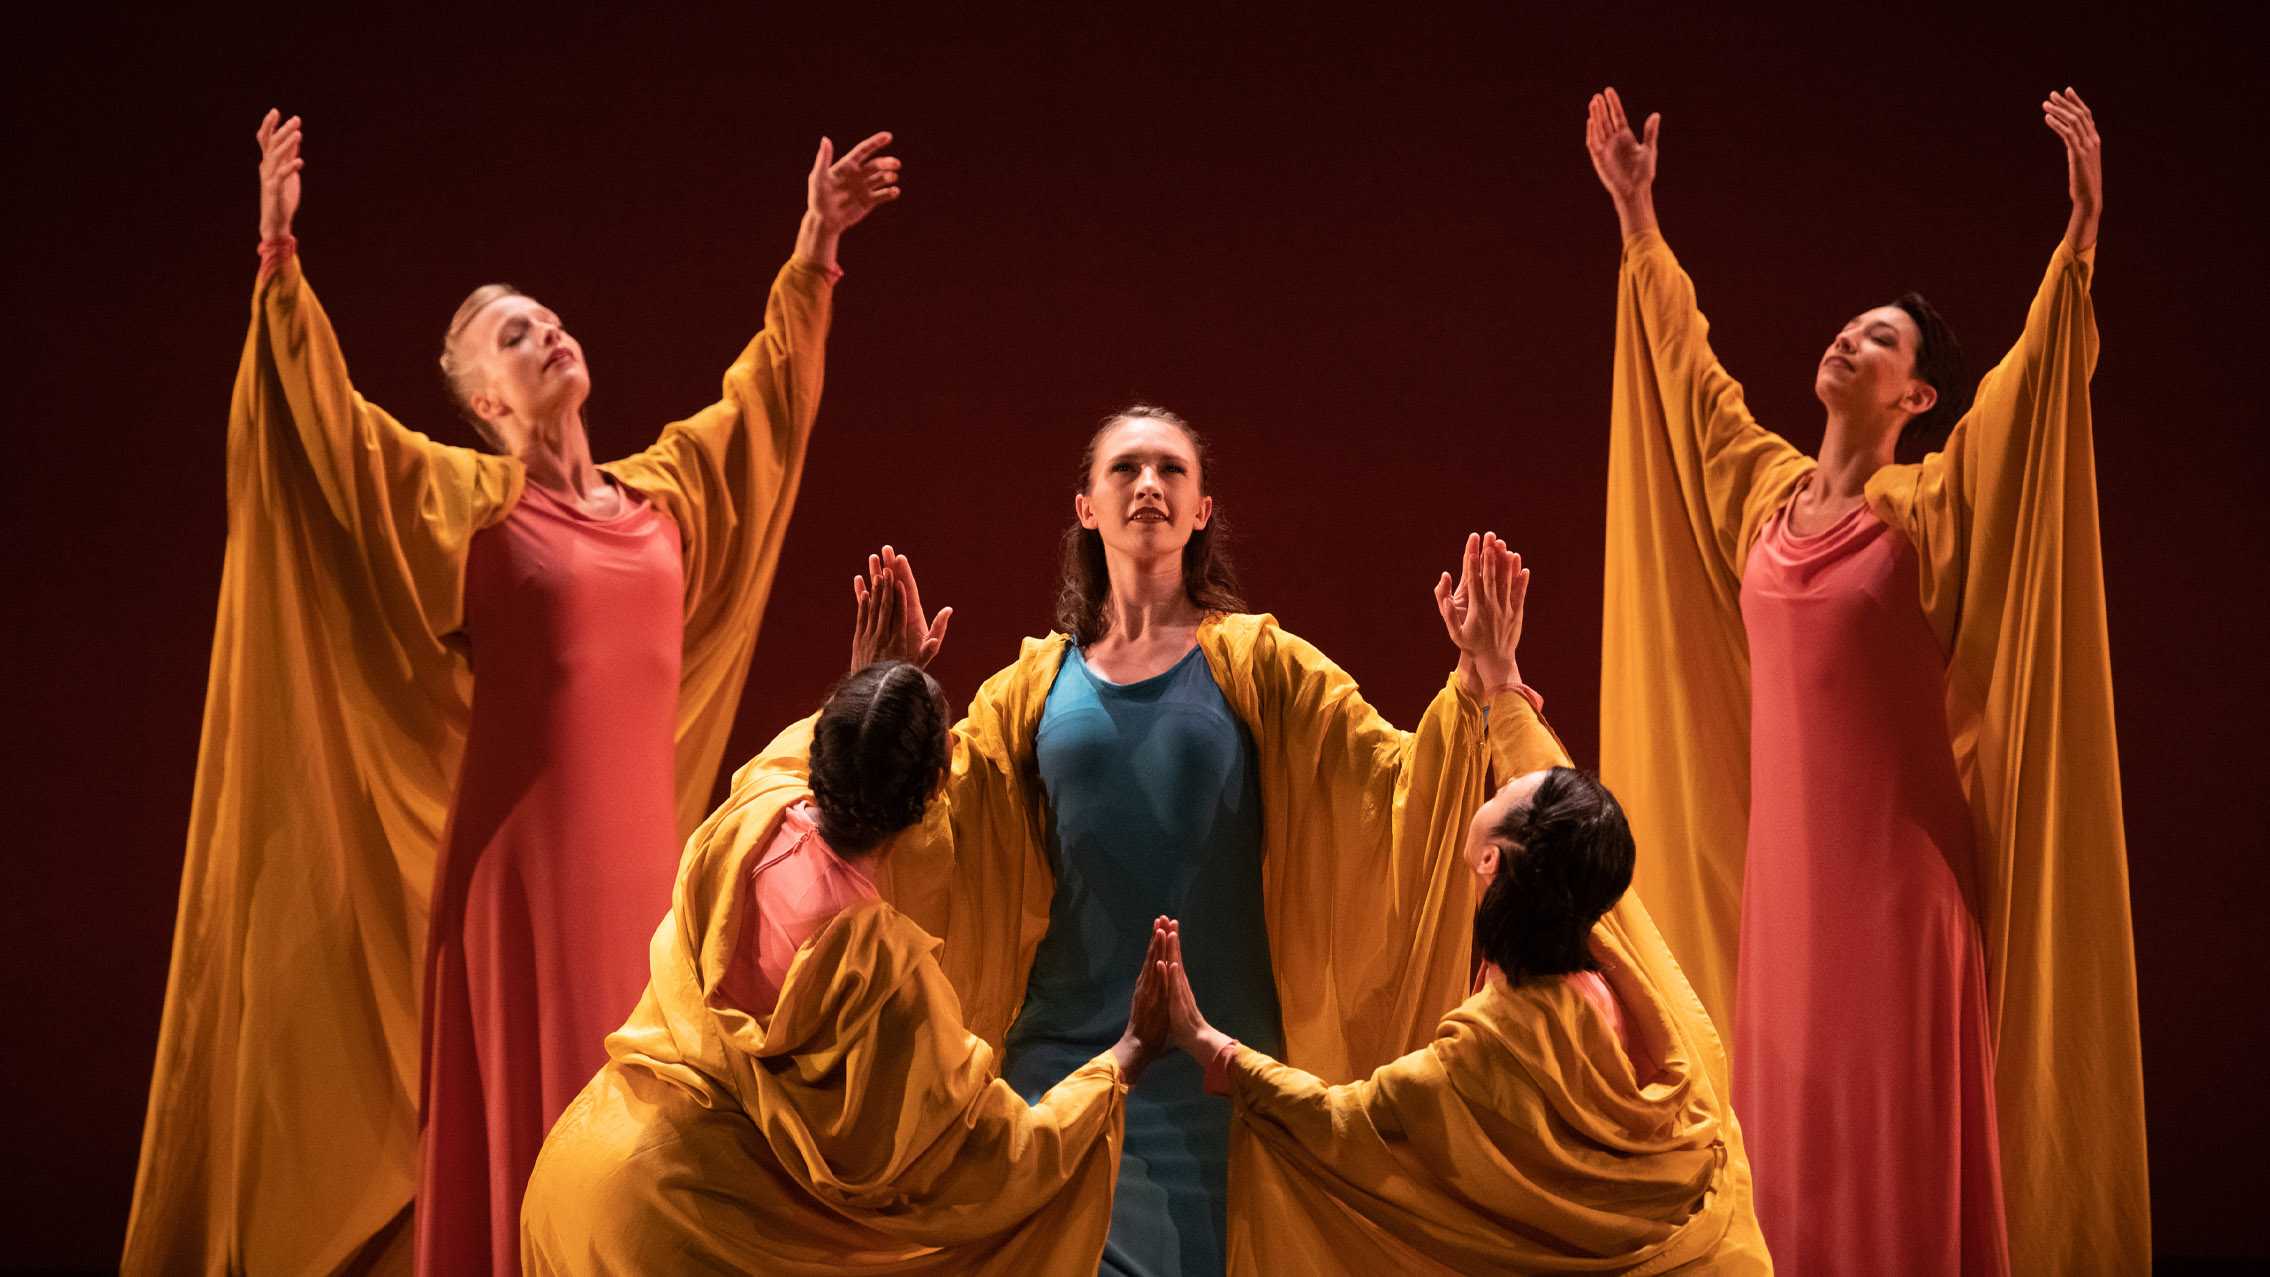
283 1116
2003 524
842 1121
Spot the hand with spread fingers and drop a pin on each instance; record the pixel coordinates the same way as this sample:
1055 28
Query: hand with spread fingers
2069 117
841 193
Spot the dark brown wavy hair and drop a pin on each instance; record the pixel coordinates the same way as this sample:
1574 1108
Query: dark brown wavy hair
1208 576
1939 363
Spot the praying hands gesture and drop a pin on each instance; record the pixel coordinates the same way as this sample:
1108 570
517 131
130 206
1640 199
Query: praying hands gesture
1483 613
1185 1023
888 624
1149 1031
841 193
2068 116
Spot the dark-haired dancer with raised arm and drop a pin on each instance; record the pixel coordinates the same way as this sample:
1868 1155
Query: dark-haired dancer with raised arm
411 914
1860 709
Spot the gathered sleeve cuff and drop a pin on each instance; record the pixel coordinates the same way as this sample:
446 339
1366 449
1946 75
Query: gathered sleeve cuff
275 252
1218 1068
1520 739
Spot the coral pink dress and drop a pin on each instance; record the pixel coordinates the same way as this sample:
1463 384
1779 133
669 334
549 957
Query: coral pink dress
560 852
799 885
1863 1061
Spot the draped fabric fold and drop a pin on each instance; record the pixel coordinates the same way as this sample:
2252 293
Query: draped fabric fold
857 1126
1519 1139
2004 524
282 1125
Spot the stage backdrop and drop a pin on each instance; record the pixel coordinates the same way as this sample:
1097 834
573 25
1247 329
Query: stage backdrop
1364 252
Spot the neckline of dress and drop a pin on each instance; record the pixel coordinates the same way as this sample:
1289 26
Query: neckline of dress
1789 504
633 502
1080 654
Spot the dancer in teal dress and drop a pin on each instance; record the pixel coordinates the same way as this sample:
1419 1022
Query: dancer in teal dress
1153 808
1127 759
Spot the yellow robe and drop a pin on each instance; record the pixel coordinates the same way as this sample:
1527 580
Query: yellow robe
282 1127
1517 1141
1364 890
2004 522
857 1127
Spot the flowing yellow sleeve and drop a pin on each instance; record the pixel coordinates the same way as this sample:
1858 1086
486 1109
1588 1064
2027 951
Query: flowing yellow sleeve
728 477
1521 741
974 873
2004 521
282 1123
1691 479
1516 1142
1366 894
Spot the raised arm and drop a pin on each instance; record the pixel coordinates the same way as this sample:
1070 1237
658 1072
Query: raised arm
1967 506
728 474
404 500
1669 386
2069 117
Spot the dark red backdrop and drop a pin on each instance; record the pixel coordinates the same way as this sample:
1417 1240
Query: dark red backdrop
1365 252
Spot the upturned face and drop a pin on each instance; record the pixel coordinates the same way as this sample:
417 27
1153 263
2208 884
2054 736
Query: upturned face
1144 494
1483 850
523 366
1869 370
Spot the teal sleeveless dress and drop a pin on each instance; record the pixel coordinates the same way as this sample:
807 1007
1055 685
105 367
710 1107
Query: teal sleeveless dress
1154 807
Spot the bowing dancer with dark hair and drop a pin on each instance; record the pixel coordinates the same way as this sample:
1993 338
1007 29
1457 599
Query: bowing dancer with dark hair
1169 752
411 914
797 1094
1861 711
1570 1116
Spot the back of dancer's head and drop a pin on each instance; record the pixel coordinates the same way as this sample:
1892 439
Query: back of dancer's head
878 749
1564 859
1209 578
1939 365
457 365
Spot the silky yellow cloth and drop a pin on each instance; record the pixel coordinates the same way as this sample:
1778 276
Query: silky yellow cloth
857 1127
1518 1140
282 1126
2004 522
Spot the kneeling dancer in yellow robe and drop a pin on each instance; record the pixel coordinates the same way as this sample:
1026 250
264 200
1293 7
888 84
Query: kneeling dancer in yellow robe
1571 1116
796 1092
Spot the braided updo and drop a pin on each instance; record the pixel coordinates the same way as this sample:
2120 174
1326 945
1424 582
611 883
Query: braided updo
1566 859
877 751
